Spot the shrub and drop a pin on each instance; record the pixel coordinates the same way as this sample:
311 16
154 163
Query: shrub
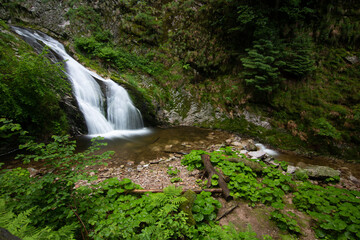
261 68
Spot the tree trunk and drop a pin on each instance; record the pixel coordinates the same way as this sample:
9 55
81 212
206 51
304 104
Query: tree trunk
211 171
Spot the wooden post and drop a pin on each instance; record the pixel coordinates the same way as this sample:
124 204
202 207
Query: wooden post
211 171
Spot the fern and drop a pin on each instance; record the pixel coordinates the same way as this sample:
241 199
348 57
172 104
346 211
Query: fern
21 227
171 191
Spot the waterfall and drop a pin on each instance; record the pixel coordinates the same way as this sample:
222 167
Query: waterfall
261 147
120 114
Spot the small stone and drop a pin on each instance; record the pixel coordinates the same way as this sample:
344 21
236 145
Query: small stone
194 173
139 168
142 163
92 173
122 166
130 163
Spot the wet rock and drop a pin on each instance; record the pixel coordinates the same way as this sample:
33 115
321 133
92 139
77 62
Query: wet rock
352 59
272 162
236 144
257 154
354 180
268 159
168 147
156 161
301 165
256 119
243 152
291 169
33 172
250 145
345 172
321 172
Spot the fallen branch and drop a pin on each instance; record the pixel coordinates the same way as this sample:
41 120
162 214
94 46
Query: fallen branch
181 153
211 171
155 140
215 190
226 213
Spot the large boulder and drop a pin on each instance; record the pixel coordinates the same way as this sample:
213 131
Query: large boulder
321 172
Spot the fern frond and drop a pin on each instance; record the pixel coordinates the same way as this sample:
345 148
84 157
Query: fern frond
172 191
20 226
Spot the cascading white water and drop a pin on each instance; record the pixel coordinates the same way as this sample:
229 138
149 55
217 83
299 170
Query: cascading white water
121 113
261 147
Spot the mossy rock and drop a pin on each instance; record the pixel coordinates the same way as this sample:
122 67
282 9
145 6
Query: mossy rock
321 172
256 167
187 206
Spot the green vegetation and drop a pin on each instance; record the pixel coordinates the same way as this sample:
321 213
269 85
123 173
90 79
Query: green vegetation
262 69
285 60
55 204
21 226
334 210
31 88
52 205
172 172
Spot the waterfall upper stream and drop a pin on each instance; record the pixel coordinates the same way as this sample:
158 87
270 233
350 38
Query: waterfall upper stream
107 115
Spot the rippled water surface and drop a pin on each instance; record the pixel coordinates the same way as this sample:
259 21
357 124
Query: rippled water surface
150 144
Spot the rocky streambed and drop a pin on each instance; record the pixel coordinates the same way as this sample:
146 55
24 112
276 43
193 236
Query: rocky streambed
160 159
151 160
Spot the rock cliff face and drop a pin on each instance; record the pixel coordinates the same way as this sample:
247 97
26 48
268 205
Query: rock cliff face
48 15
201 46
64 20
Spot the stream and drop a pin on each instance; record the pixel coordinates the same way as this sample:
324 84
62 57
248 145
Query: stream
162 142
152 144
122 125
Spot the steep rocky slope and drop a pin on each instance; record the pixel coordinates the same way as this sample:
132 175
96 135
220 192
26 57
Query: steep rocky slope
286 73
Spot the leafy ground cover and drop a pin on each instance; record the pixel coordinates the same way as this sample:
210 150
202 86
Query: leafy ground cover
50 205
335 212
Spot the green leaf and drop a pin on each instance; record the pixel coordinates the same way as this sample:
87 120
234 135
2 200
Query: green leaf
198 217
